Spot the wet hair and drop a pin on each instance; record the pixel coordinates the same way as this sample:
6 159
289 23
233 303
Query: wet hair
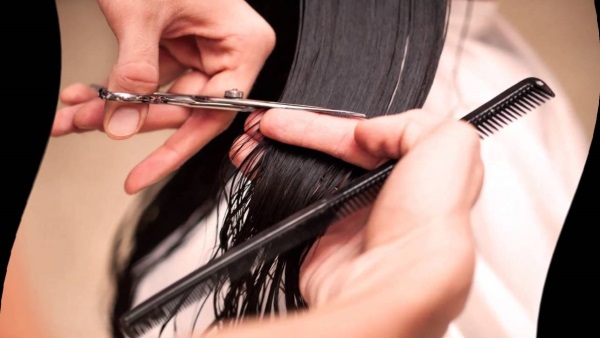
378 57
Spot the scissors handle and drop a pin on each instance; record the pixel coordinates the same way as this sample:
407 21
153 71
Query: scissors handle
232 101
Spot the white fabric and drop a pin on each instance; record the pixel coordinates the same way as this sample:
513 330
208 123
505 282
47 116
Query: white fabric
532 170
193 253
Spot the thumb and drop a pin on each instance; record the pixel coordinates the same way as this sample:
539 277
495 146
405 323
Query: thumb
437 181
136 71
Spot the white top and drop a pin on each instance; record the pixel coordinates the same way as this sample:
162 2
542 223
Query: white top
532 168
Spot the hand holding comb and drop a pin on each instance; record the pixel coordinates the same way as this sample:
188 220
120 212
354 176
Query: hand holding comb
313 221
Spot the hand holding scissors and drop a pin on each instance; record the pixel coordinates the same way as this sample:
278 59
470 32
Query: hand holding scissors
199 46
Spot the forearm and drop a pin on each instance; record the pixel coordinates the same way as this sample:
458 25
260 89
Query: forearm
18 317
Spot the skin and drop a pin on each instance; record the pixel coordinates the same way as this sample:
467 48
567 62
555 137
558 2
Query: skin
198 47
402 268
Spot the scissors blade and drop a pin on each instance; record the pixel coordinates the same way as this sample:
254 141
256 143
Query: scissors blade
207 102
258 104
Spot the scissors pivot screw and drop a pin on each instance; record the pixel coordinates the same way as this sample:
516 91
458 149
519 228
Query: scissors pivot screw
234 94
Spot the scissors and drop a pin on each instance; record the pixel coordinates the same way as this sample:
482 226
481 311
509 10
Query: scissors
232 100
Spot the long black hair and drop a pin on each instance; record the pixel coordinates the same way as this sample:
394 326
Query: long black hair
374 56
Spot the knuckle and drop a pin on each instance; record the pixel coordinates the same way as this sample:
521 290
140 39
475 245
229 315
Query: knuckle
172 149
266 34
259 34
140 76
340 151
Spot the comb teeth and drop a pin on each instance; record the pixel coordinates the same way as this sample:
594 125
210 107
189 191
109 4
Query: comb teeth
359 198
137 323
135 327
505 108
509 106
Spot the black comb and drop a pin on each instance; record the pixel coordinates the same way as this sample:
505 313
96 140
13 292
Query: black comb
313 221
509 105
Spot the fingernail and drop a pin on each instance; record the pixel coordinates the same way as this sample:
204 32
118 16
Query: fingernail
124 122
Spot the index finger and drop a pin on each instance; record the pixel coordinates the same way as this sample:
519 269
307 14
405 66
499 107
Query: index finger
200 127
337 136
325 133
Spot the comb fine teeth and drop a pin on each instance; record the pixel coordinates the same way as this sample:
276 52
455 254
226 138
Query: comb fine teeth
138 323
363 193
506 107
509 106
